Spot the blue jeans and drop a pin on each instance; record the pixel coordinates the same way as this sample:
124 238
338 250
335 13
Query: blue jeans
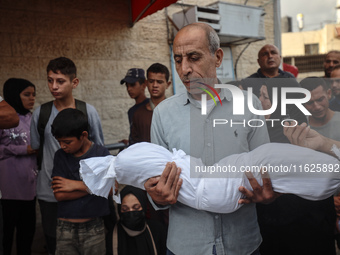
86 238
257 252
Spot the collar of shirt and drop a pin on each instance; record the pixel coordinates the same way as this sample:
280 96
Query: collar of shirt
282 74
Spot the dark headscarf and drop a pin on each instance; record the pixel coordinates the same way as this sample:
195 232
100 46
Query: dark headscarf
12 89
138 193
134 245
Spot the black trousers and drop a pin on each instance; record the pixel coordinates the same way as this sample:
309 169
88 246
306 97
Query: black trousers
18 215
296 226
48 212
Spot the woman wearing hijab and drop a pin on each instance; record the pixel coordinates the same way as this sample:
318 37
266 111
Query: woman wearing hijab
18 169
134 234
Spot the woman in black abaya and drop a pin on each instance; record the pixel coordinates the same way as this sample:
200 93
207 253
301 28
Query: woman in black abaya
134 234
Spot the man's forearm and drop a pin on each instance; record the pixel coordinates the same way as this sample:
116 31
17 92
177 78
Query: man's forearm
8 116
60 184
327 146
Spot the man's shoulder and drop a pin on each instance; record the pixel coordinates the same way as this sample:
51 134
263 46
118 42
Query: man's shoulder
173 100
136 106
257 74
254 80
284 74
141 109
254 75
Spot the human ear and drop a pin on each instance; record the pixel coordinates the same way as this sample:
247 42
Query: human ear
75 82
219 57
85 134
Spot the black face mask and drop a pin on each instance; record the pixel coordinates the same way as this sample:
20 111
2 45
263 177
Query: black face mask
134 220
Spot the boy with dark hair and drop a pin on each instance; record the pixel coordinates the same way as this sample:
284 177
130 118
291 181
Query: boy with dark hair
63 65
157 83
134 81
158 68
61 79
80 228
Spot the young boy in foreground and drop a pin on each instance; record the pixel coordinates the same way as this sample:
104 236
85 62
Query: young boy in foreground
61 80
80 228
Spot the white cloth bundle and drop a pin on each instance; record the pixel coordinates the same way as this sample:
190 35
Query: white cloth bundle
315 180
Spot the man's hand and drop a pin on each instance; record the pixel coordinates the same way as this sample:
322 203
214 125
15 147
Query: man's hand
164 189
303 136
61 184
264 194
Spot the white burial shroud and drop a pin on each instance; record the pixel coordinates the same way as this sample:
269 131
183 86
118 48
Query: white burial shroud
295 170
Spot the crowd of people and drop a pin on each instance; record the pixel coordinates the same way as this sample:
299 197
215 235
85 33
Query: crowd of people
40 152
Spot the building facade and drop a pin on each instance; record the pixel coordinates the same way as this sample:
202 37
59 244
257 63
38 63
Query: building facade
98 37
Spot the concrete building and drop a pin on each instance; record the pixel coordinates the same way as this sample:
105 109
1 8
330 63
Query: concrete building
98 37
307 49
311 42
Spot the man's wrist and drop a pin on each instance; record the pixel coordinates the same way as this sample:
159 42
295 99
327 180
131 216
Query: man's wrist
325 145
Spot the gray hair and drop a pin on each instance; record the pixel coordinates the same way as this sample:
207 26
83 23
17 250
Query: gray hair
214 41
210 33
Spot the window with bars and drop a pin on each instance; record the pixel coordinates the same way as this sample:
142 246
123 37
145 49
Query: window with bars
305 64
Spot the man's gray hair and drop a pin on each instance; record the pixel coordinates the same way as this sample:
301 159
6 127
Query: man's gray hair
210 33
214 41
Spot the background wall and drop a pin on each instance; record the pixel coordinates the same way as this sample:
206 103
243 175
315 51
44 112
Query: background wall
97 36
293 44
